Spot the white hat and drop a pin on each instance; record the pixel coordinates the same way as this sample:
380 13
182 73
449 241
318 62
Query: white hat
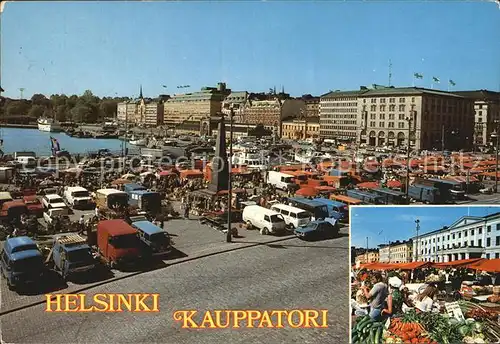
395 282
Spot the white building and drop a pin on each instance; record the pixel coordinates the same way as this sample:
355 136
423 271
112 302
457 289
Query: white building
469 237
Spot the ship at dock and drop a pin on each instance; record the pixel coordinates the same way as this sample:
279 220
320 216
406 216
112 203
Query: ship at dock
49 125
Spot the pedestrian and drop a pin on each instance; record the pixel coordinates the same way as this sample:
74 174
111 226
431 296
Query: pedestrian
81 222
377 296
186 211
97 211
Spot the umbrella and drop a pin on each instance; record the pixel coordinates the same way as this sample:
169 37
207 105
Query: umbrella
144 174
47 183
307 192
129 176
120 181
396 184
73 170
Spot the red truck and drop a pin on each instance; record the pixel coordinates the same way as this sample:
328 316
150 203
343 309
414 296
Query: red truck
35 207
118 243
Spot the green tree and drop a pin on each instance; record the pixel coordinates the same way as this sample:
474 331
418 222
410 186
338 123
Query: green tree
58 99
17 108
36 111
61 113
108 108
40 99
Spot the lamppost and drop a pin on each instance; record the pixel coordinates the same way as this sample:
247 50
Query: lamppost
417 223
230 187
494 134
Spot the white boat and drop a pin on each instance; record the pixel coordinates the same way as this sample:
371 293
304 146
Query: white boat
48 124
139 142
251 159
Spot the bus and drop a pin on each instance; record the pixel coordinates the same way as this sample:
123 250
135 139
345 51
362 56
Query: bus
337 210
318 210
392 196
346 200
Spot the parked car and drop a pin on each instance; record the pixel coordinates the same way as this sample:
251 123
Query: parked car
317 228
53 201
486 191
35 207
266 220
78 197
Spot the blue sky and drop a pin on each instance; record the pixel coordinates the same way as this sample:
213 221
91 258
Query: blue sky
384 224
309 47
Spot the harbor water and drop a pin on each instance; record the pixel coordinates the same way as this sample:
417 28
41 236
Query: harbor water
15 139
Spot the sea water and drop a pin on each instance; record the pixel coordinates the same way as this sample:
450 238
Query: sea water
15 139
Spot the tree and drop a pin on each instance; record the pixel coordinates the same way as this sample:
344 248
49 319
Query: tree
17 108
58 99
259 131
40 99
108 108
61 113
36 111
81 113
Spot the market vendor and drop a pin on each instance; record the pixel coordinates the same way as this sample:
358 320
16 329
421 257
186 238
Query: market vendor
377 296
394 299
425 301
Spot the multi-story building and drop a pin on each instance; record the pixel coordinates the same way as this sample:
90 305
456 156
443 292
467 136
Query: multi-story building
391 116
193 107
338 114
127 111
153 113
235 101
312 105
271 113
468 237
396 252
372 256
300 129
487 114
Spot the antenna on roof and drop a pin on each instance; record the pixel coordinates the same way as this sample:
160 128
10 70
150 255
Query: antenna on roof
390 72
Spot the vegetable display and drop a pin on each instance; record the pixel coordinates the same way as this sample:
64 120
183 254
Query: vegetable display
367 331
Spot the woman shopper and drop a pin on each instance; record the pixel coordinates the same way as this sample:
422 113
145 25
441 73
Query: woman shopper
394 299
425 301
377 296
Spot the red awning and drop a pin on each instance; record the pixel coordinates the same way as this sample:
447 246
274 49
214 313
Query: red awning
307 192
456 263
368 185
396 184
166 173
489 265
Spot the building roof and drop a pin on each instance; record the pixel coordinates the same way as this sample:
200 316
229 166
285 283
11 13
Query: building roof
339 93
116 227
480 94
237 96
394 91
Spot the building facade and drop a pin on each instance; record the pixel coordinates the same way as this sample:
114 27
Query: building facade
396 252
193 107
301 129
372 256
338 112
312 105
235 101
487 114
153 113
425 118
271 113
469 237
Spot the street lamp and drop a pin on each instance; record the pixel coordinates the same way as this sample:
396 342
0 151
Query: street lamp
495 135
230 187
409 120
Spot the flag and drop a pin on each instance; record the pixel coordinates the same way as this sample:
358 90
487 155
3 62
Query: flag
418 76
452 83
434 79
164 86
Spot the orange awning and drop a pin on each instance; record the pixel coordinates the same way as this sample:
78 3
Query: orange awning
489 265
456 263
307 192
368 185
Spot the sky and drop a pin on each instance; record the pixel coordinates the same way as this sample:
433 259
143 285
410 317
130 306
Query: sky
307 47
384 224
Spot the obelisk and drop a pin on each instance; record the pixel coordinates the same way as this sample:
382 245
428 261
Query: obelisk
220 166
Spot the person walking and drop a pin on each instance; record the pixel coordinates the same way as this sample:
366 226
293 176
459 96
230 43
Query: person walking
377 296
186 211
81 224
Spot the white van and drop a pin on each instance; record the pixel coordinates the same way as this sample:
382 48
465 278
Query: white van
294 217
280 180
266 220
26 161
77 196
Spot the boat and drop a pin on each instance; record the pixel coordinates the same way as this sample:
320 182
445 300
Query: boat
251 158
49 125
139 142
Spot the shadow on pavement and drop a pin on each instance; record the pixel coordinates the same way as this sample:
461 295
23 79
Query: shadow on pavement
174 254
99 274
51 282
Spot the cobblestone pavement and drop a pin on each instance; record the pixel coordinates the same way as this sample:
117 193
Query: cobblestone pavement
285 275
191 240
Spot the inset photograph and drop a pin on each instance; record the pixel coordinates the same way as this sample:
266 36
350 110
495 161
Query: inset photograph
426 274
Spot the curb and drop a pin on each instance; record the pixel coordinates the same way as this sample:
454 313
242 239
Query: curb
183 260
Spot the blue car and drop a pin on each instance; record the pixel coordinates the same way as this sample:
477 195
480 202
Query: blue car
317 228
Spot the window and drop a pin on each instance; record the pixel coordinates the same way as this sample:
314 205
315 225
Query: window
381 124
480 230
433 239
373 100
413 99
401 125
382 100
480 242
448 237
391 124
453 236
392 107
391 116
472 232
401 107
487 256
392 100
382 107
459 235
498 226
382 116
401 116
465 233
488 242
472 242
401 100
497 241
497 255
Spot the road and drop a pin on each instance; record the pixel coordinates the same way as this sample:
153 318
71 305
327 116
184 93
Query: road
285 275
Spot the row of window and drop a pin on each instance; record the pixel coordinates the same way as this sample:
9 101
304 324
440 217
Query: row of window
392 116
339 116
463 244
391 100
391 107
373 124
465 232
338 127
335 110
335 104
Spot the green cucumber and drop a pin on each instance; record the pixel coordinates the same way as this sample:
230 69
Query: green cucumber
363 326
371 338
378 336
354 339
